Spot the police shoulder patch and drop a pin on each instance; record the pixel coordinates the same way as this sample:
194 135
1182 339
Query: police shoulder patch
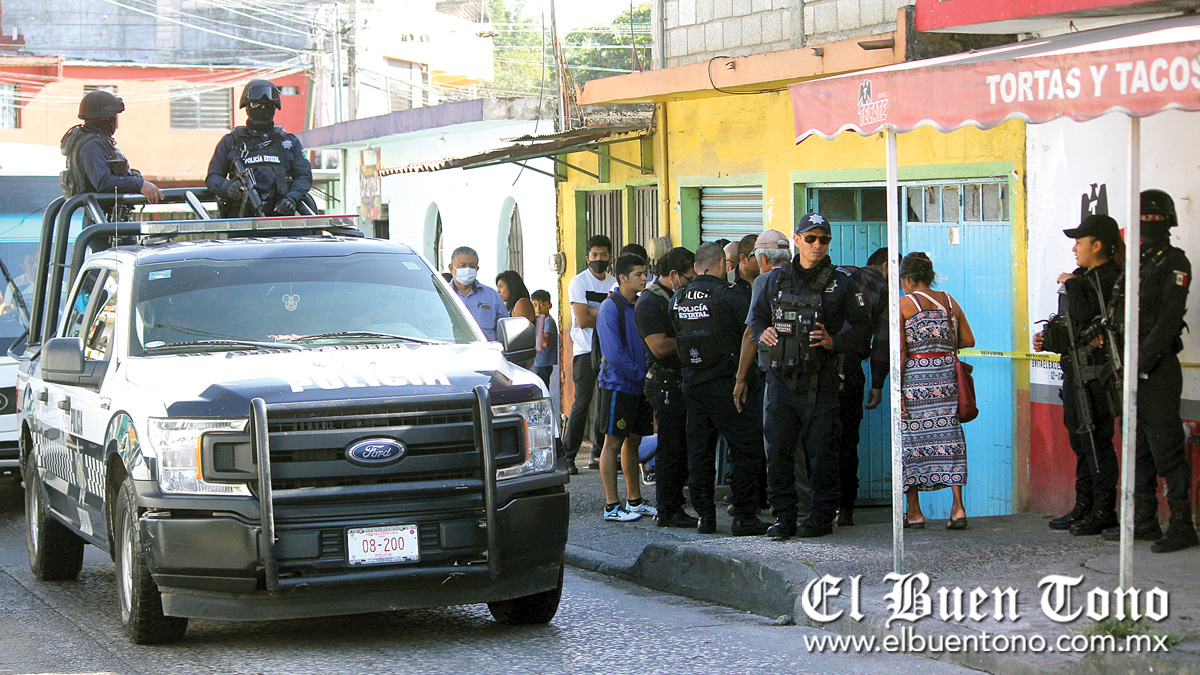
1181 278
861 302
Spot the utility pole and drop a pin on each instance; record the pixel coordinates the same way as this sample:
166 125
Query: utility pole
351 52
560 71
337 65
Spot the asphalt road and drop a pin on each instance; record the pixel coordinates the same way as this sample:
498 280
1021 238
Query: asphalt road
603 626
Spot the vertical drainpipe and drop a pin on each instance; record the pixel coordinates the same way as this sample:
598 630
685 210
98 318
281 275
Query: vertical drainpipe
663 169
658 18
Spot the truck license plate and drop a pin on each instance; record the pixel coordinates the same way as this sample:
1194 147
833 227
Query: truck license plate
382 545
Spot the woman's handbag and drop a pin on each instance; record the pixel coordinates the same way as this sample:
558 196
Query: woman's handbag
967 410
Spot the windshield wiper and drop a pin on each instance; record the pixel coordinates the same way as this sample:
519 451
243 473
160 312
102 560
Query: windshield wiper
229 344
366 334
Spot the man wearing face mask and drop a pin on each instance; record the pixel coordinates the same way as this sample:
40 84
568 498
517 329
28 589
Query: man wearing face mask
586 291
664 384
483 302
259 157
94 164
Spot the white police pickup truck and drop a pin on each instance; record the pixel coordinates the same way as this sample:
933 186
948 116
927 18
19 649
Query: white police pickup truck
271 418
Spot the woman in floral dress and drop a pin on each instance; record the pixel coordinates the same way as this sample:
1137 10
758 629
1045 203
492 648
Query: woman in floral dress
934 450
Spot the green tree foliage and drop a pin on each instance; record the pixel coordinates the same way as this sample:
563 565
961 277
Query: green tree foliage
524 56
605 50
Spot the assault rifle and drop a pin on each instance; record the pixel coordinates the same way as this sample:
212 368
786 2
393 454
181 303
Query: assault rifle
1106 326
1076 355
250 196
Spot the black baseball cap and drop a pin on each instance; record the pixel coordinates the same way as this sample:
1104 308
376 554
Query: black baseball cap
1097 226
811 221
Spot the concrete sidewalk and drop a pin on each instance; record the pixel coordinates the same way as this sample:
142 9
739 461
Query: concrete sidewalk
768 578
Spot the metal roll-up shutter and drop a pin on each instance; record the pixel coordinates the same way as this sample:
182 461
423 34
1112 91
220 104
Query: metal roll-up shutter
730 212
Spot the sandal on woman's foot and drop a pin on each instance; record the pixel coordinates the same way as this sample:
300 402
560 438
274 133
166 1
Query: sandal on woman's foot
913 526
957 523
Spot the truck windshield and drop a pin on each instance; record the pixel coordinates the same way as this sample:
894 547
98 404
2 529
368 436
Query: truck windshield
361 297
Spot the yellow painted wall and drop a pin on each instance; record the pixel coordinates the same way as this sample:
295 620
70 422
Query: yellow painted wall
750 139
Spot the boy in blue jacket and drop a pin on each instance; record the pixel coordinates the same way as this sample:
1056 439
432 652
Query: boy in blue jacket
625 414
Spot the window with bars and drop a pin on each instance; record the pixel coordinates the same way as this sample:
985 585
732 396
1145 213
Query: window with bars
10 107
645 214
602 213
191 109
730 212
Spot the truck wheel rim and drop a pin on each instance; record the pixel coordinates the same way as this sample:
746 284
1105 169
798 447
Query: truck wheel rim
32 506
126 569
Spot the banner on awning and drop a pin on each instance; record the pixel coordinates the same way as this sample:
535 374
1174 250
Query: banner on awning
1137 69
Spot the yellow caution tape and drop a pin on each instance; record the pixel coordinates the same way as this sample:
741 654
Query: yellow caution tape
1030 356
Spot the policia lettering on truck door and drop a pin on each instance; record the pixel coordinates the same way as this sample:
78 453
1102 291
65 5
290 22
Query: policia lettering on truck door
1091 388
94 163
259 169
707 316
1166 274
789 316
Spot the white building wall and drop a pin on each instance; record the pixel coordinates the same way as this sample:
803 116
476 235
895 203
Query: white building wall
1064 159
472 202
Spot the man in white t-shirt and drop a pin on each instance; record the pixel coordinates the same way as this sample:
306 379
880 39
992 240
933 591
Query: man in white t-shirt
585 293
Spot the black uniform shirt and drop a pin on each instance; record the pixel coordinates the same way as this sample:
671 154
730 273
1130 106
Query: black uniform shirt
1163 302
93 156
221 172
840 304
1083 304
730 309
652 314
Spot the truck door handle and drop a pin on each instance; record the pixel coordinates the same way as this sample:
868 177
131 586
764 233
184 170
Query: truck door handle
43 396
65 404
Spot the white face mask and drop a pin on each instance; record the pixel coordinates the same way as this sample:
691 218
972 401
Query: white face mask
466 275
732 276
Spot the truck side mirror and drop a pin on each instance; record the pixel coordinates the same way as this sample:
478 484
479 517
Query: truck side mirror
63 363
515 333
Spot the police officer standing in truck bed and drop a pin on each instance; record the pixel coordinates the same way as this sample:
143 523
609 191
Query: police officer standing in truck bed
260 157
94 164
790 315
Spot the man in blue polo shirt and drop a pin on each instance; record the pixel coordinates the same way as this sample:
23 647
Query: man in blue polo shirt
483 302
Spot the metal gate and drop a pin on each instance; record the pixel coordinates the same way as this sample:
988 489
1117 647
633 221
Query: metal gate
964 227
730 212
645 214
602 214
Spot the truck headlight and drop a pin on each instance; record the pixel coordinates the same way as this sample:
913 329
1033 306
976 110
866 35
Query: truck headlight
176 442
539 438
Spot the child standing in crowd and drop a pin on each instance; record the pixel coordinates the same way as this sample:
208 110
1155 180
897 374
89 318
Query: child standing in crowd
547 336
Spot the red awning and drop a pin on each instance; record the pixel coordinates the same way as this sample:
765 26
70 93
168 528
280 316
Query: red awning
1137 68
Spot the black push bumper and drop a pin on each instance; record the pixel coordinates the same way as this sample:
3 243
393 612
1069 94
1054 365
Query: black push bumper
287 557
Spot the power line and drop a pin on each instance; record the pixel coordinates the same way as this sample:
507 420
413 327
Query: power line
219 22
203 29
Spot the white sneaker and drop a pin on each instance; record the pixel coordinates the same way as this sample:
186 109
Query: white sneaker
643 509
620 514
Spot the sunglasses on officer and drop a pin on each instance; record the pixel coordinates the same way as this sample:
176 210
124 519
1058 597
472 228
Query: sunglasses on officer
823 238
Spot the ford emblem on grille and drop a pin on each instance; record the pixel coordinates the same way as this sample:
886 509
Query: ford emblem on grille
375 451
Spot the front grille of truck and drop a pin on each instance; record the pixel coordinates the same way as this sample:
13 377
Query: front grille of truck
318 492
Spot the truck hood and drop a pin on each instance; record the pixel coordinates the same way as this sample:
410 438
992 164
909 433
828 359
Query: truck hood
222 384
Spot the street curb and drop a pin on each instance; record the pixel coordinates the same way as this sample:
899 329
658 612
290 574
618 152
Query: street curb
756 584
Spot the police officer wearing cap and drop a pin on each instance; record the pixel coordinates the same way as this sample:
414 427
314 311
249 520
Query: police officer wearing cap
259 156
94 164
1084 298
789 316
708 315
1166 275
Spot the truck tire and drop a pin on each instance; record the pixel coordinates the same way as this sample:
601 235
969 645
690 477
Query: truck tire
532 609
55 552
142 618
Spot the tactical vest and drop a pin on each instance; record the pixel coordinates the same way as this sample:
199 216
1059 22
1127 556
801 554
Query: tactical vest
795 313
274 152
73 179
698 326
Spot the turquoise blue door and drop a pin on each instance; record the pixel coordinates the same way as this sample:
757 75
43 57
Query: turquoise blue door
965 230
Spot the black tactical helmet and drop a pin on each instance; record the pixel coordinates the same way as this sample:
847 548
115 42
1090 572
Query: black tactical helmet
260 90
1159 202
100 105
